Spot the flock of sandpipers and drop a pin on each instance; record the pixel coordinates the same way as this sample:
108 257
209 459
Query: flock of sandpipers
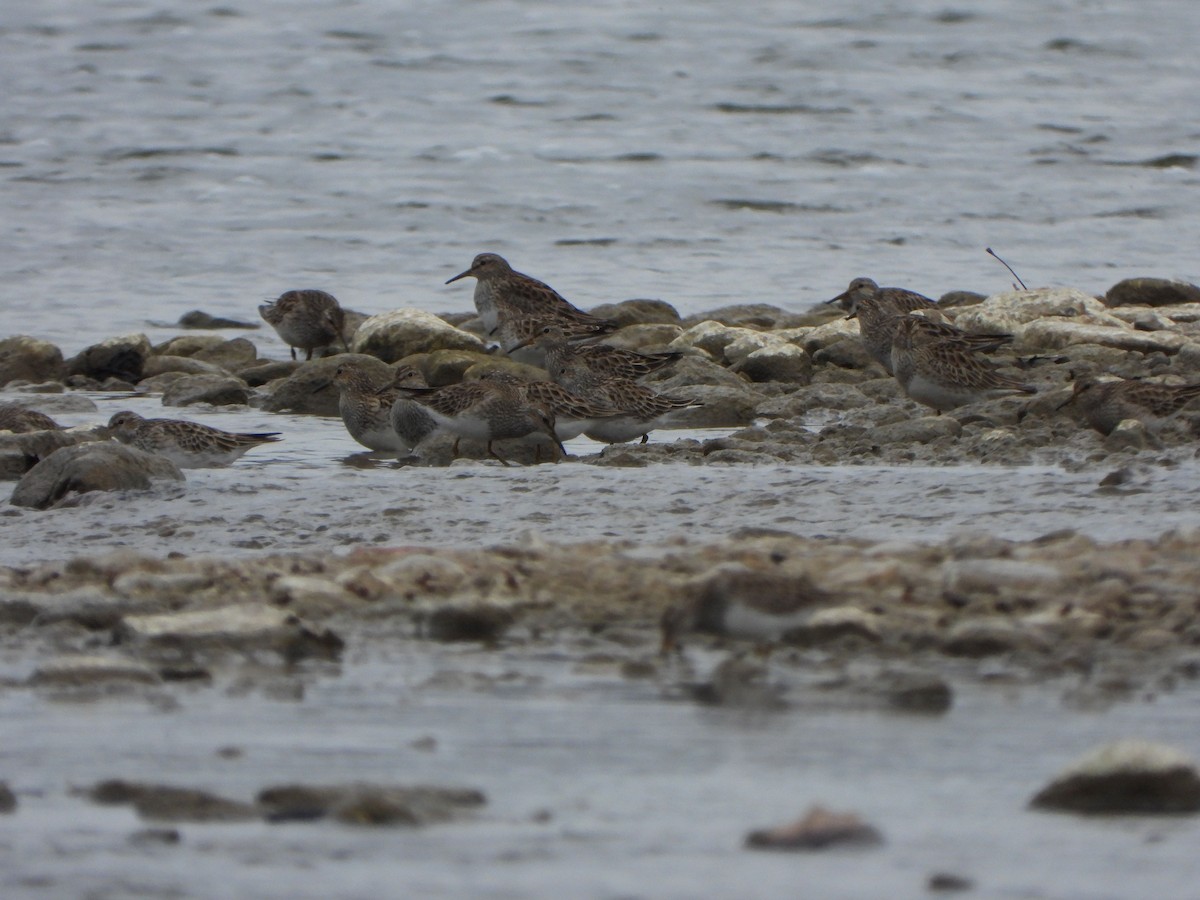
593 388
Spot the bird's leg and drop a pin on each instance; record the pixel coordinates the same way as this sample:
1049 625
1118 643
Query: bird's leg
492 452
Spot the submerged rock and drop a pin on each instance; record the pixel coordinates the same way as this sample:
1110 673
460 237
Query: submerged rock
242 628
1151 292
8 800
166 803
367 804
1135 777
199 319
820 829
91 670
213 388
95 466
120 357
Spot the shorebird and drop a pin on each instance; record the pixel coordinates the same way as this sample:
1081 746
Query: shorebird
20 420
189 445
944 373
744 603
307 319
486 411
605 360
900 299
510 303
573 415
642 410
1107 403
366 407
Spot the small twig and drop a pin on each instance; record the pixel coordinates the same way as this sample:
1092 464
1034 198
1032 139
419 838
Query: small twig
992 252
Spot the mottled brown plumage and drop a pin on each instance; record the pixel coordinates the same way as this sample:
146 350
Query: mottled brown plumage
307 319
1105 404
190 445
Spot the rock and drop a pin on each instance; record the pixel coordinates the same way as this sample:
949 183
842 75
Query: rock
644 338
24 358
21 452
924 430
638 312
823 336
1130 434
692 370
87 671
982 637
264 371
484 622
149 837
161 364
232 356
1056 334
835 623
311 596
367 804
198 319
969 576
393 335
1006 312
1151 292
952 299
443 367
740 683
760 316
1133 777
818 830
785 362
240 627
165 803
948 881
722 407
918 693
847 354
94 466
309 389
8 800
713 337
815 396
218 390
188 344
118 357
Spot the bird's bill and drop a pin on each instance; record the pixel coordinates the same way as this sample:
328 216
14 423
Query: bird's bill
1067 402
523 343
321 385
460 275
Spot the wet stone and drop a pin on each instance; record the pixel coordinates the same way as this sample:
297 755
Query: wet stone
8 800
87 671
820 829
480 622
919 693
1132 777
166 803
367 804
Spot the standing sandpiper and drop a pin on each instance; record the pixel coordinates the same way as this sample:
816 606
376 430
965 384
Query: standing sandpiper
307 319
944 373
508 299
189 445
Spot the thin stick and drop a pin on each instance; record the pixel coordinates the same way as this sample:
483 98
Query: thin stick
1007 266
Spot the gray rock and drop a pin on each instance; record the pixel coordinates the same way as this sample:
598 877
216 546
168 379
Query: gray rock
638 312
120 357
785 362
264 371
815 396
818 830
236 627
88 671
760 316
166 803
1130 434
924 430
393 335
723 407
1133 777
483 622
1151 292
162 363
218 390
24 358
367 804
21 452
198 319
918 693
309 389
188 344
94 466
8 800
232 356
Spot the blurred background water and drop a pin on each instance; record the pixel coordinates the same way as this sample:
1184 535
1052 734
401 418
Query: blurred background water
158 156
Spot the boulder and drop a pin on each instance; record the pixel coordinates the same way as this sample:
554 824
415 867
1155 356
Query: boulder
199 319
1151 292
1130 776
230 355
234 627
1056 334
21 452
24 358
780 362
216 389
160 364
1005 313
712 337
760 316
638 312
393 335
367 804
817 830
94 466
309 389
120 357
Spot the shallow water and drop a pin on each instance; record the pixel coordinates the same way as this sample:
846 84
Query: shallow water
159 157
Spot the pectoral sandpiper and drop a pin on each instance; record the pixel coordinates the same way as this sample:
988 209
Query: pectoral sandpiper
189 445
307 319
